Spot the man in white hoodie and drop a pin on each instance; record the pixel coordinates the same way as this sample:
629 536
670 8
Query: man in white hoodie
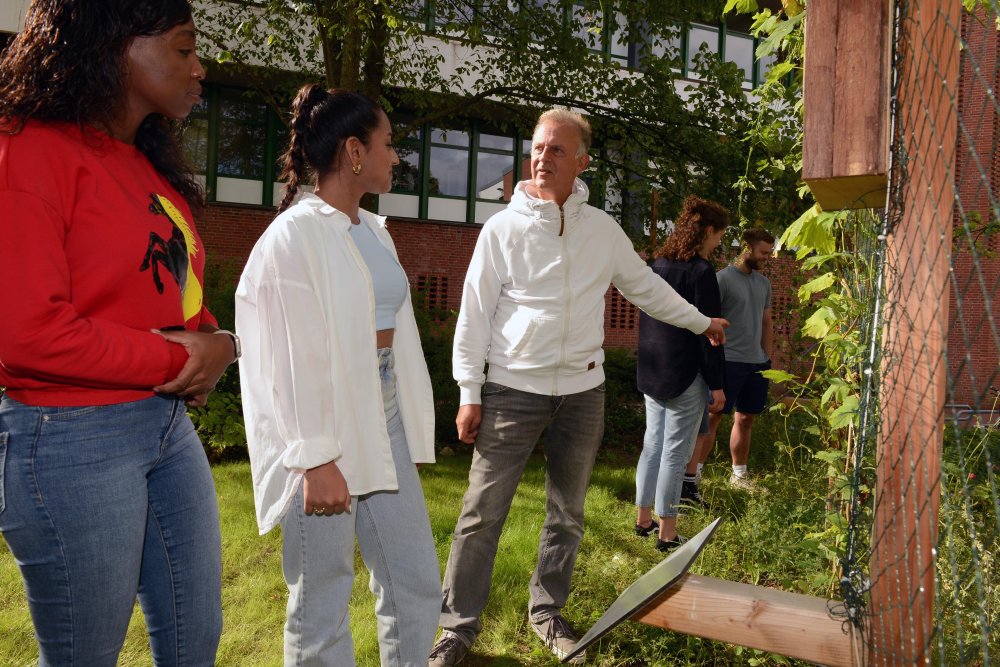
533 308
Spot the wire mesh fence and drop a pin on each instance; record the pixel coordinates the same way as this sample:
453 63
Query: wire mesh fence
919 572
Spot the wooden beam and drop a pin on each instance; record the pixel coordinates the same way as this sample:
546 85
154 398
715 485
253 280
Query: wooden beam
845 145
794 625
914 386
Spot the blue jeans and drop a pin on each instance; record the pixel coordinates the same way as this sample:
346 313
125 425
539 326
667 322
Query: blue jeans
512 423
394 534
102 503
671 431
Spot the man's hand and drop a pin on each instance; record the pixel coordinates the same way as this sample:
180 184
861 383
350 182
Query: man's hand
467 421
716 331
717 402
325 491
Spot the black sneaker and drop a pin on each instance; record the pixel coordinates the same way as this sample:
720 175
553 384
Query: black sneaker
691 495
448 651
558 637
670 545
646 531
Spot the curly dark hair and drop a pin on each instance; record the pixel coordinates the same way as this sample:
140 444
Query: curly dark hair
69 65
697 216
322 120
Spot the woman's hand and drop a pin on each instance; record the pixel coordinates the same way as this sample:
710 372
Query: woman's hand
718 401
325 491
208 357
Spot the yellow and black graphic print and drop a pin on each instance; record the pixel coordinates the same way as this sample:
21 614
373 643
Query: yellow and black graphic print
174 254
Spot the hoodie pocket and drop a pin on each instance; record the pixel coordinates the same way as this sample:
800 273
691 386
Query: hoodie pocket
531 337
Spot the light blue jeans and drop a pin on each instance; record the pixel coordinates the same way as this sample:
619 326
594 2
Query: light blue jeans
394 534
99 504
671 431
512 423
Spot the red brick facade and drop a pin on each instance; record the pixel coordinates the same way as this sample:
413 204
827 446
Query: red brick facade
974 341
436 256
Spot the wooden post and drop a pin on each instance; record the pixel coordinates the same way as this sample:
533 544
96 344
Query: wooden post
904 534
791 624
845 146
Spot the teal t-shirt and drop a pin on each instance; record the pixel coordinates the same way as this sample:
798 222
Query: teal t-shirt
744 298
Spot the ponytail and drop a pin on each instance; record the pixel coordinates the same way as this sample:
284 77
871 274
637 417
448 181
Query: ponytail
293 163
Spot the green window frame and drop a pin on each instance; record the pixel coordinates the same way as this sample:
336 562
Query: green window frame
247 123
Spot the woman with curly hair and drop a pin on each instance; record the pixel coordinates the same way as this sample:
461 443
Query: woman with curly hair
106 490
340 412
677 369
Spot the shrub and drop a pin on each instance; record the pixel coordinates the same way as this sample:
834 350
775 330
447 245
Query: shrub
220 423
624 408
437 331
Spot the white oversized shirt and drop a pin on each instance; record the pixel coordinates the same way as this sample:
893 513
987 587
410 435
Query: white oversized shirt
305 312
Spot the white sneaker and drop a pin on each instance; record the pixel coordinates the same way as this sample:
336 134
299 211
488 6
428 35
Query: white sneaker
743 483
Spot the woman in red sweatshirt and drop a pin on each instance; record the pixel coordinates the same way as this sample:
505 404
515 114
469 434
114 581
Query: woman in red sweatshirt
106 491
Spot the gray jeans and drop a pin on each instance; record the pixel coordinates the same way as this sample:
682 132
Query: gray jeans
512 423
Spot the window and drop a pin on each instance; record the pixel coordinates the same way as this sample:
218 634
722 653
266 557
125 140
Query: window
739 50
660 46
588 26
242 136
449 163
406 174
495 167
234 142
415 10
764 65
602 32
699 36
195 137
619 46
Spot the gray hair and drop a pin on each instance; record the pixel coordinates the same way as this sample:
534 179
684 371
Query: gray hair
567 117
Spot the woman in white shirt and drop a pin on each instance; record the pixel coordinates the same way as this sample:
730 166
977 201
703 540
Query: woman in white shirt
336 394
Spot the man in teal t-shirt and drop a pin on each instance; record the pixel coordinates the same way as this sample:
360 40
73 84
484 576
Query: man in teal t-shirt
746 303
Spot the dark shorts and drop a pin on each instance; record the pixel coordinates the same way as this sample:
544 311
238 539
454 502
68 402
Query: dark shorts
746 388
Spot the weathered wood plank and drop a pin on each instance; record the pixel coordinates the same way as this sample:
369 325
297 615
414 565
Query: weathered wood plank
791 624
845 145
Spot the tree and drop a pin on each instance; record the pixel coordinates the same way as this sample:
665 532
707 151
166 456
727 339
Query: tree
509 60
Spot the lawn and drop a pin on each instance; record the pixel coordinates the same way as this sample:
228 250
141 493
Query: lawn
763 540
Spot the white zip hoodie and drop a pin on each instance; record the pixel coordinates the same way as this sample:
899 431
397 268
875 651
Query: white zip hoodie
533 300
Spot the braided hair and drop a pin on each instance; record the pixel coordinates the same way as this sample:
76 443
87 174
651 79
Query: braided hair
322 120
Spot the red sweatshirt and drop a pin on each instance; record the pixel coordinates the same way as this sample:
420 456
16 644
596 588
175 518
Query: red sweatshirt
96 249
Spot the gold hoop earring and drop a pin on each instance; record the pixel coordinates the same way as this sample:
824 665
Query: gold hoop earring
356 169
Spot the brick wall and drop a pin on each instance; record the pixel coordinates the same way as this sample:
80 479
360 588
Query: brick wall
436 256
973 347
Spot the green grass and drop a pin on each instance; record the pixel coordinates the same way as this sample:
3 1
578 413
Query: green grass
762 541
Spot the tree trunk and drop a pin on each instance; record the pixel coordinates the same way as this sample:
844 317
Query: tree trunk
373 68
333 45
